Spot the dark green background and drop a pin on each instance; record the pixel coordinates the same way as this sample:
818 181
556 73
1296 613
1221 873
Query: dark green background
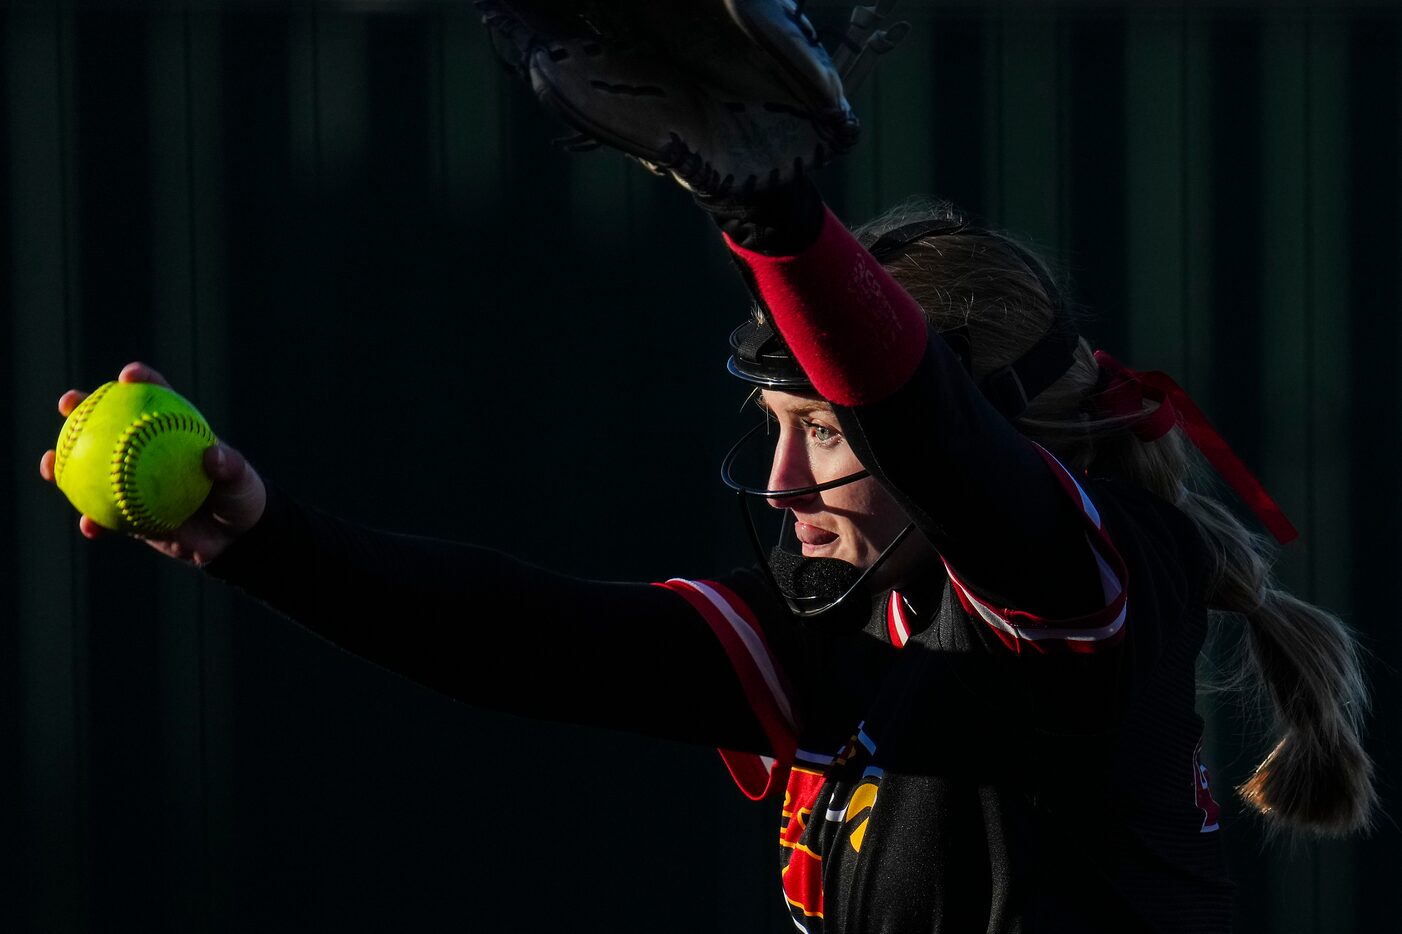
342 230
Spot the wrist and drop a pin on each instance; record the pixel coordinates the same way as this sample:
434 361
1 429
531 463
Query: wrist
781 221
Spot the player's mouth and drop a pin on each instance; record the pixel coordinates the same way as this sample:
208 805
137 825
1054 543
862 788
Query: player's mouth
814 539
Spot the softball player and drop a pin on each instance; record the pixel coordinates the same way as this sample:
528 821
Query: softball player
965 674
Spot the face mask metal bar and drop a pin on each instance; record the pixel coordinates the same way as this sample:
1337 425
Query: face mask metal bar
801 606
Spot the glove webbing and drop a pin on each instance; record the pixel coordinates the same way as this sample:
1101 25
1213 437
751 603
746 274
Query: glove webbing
857 49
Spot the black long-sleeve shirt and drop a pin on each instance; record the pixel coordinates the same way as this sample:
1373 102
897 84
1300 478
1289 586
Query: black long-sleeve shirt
1008 744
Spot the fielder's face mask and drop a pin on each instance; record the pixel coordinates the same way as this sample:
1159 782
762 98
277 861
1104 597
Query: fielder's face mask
815 586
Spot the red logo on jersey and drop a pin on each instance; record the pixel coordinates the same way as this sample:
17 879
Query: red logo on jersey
802 873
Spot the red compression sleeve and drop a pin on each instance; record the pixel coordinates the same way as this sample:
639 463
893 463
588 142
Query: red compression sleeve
857 334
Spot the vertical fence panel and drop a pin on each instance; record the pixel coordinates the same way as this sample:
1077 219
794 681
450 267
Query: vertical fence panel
330 122
182 869
1029 115
852 184
115 176
52 885
213 321
1156 179
1094 220
1329 541
959 117
904 100
1199 217
1330 544
471 115
1286 266
1375 419
10 690
189 348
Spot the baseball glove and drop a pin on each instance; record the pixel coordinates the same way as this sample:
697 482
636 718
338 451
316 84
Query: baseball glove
728 97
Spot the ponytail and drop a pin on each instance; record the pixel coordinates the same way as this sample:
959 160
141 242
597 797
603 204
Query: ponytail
1317 778
1302 662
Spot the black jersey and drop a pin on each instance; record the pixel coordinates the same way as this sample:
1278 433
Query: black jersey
1008 744
933 772
952 767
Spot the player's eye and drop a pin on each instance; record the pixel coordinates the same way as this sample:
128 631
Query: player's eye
821 434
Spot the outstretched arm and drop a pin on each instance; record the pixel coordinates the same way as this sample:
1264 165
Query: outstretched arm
493 631
480 626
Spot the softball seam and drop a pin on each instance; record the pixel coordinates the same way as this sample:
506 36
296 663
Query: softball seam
76 422
128 455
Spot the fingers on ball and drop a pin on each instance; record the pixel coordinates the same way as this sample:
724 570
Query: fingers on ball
69 401
138 372
46 465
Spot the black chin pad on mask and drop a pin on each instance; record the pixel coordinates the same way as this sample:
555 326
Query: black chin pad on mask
821 580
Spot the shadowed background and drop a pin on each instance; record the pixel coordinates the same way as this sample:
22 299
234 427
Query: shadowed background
341 229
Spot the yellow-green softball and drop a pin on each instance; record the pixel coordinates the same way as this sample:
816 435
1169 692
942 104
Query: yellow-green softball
131 456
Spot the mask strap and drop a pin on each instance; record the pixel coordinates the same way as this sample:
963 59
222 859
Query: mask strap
1017 384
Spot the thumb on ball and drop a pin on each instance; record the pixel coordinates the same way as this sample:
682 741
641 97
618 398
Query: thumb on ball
221 463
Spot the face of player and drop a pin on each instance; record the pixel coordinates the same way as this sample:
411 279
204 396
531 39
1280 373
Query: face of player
853 522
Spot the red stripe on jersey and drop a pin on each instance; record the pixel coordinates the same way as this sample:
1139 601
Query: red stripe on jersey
857 334
766 688
1018 629
897 620
740 607
1090 633
757 776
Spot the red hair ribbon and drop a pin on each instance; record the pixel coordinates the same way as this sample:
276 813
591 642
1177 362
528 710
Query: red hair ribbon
1124 395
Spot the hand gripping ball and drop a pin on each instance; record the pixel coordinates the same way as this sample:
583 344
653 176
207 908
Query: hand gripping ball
131 456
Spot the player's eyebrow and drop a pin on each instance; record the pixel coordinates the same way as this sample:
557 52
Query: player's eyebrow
801 410
809 408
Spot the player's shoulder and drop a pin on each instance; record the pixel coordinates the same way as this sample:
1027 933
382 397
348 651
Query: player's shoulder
1129 502
1151 533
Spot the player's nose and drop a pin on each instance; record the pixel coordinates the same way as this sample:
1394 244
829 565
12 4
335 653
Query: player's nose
789 470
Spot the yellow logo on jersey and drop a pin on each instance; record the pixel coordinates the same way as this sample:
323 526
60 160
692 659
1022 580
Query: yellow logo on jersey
859 812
